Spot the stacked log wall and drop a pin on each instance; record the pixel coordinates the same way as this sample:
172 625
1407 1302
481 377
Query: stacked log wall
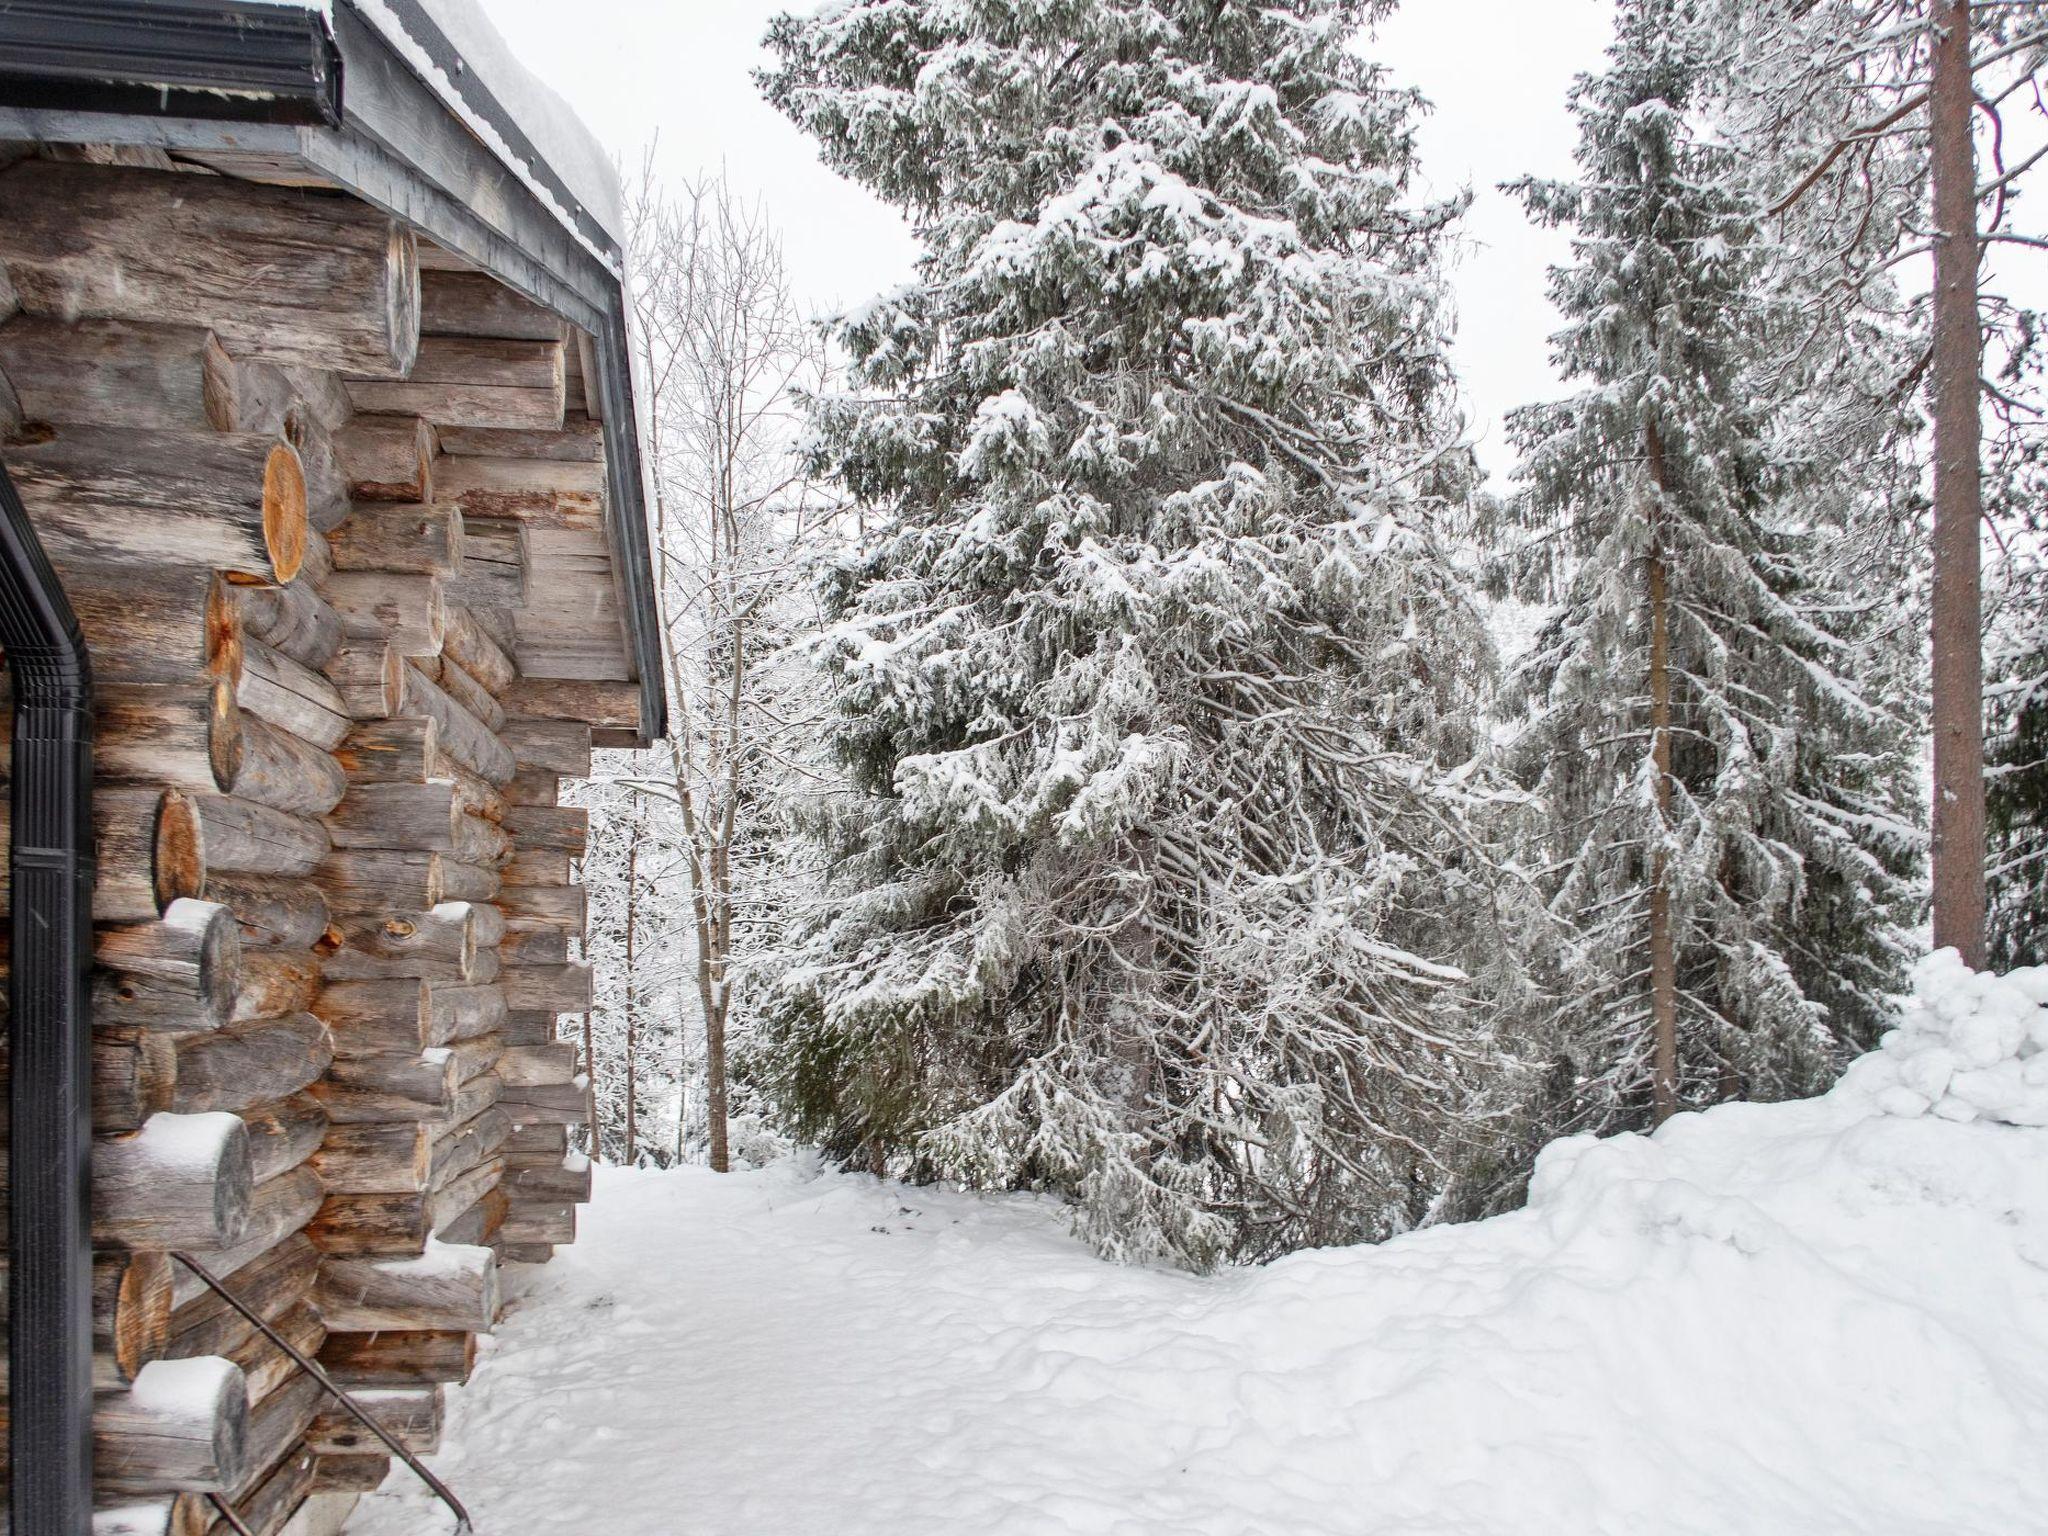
335 908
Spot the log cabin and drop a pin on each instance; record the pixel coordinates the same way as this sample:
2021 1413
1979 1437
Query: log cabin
324 562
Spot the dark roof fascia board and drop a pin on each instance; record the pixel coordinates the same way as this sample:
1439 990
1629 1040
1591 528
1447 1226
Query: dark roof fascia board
222 59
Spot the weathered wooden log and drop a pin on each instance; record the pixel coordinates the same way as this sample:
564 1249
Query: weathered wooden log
345 1478
474 1094
547 1221
276 1422
327 487
463 1012
561 747
528 1026
178 973
471 695
366 675
462 736
275 982
388 945
184 1424
265 1365
279 1208
181 734
533 786
298 277
451 1288
404 610
471 647
400 1358
466 882
549 1103
595 703
535 866
131 1315
269 1285
467 1146
182 1181
581 440
391 751
448 1203
95 371
479 1224
542 493
533 1138
125 823
534 944
370 1090
560 905
142 499
548 1178
387 458
412 816
247 395
562 827
463 381
377 1017
473 304
410 1415
288 694
276 768
283 1134
134 1070
362 881
197 835
151 630
423 540
530 1065
272 914
394 1158
386 1225
293 620
252 1064
494 564
560 988
271 1507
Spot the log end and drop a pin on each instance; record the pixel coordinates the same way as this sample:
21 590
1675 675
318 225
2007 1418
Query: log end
180 868
285 525
224 734
142 1312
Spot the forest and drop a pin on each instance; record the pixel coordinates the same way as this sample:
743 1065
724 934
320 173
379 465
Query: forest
1126 748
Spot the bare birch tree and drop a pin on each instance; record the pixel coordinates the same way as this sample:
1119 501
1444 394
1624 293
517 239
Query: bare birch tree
723 351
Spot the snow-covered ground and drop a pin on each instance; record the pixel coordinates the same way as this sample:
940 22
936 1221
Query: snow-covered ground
1828 1317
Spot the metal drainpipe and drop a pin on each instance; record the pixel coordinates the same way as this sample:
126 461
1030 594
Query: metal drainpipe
49 1275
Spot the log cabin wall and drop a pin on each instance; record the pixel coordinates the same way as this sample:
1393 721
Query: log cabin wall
331 508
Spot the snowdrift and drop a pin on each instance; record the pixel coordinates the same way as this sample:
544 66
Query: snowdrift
1822 1317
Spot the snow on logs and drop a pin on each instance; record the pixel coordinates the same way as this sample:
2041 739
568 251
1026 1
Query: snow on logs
448 1287
277 273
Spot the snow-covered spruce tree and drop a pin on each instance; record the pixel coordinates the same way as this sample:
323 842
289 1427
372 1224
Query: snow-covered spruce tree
1728 829
1153 680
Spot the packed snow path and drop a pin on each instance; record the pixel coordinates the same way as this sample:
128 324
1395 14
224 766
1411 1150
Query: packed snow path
1799 1320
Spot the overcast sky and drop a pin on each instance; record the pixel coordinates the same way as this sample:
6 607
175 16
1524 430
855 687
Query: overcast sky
644 71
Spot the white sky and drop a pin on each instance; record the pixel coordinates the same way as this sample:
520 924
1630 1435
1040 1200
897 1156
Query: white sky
1497 71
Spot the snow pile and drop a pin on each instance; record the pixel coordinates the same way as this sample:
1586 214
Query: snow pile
1772 1320
1972 1046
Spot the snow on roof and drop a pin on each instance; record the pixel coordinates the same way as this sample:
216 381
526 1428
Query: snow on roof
558 136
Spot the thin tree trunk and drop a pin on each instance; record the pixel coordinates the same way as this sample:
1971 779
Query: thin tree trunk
632 1000
1958 676
1663 951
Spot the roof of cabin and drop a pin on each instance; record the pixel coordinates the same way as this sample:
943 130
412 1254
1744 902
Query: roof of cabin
415 106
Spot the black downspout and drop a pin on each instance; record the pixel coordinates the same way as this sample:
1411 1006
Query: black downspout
49 1274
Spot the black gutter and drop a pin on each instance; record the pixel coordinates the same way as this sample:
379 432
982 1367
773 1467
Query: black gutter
51 866
234 60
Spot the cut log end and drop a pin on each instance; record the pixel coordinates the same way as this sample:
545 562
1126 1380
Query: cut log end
284 511
180 868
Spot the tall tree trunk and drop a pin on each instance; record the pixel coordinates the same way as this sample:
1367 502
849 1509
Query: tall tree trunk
1958 658
632 1010
714 1084
1663 950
